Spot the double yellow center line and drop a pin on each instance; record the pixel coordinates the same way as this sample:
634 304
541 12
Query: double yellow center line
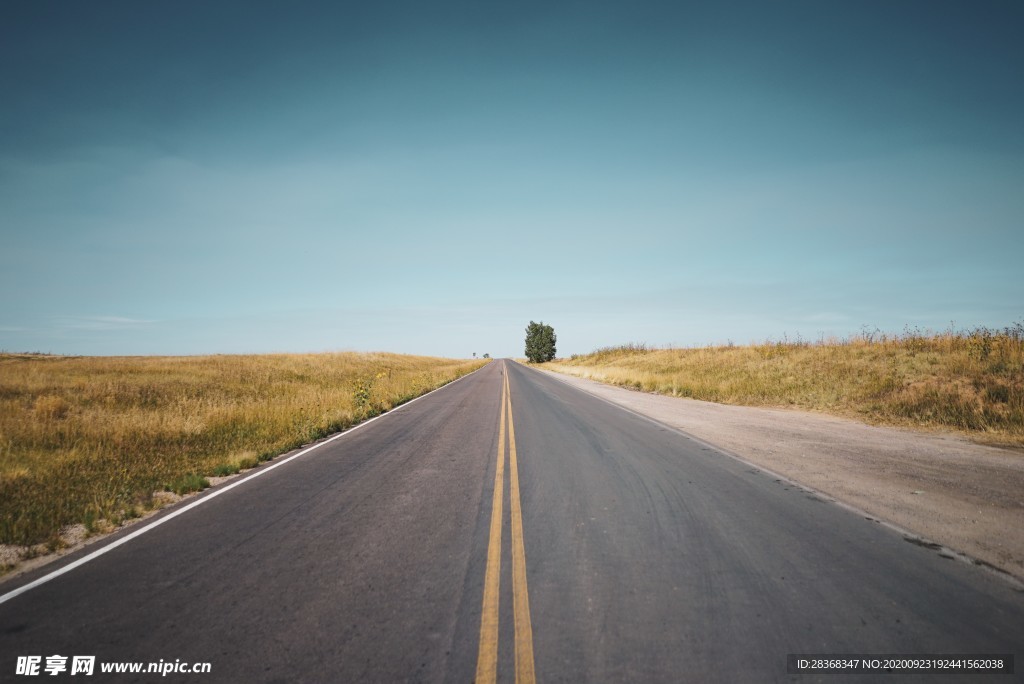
487 661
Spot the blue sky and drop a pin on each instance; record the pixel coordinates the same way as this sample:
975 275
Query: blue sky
192 177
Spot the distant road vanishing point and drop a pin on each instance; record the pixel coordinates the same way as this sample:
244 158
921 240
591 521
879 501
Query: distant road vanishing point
507 527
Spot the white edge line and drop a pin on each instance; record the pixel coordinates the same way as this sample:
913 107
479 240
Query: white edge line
908 535
212 495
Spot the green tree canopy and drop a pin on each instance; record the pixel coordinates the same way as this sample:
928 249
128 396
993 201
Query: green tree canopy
540 342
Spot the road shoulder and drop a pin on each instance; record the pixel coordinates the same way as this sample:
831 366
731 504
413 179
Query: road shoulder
945 489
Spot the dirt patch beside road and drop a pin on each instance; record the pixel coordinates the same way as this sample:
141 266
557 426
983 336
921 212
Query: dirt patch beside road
965 496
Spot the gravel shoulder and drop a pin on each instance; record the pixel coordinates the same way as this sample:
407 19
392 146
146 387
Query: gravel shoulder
964 496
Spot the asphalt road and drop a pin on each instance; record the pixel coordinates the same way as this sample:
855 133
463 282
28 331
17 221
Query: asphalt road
626 551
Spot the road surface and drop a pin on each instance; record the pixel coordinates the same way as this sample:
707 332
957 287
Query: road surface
618 550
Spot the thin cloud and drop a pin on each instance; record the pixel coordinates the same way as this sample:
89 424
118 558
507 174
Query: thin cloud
102 322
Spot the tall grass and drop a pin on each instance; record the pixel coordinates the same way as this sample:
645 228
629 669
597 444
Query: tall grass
969 380
89 440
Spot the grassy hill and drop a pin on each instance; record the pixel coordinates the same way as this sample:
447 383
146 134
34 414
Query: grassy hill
970 381
90 440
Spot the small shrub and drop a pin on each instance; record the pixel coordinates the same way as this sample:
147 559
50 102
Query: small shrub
187 483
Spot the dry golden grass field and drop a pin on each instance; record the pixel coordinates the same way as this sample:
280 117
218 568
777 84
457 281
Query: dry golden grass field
969 381
90 439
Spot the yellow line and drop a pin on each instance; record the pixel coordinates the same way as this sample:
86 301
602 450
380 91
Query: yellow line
487 660
520 596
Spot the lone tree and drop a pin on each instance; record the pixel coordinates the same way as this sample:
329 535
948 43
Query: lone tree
540 342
